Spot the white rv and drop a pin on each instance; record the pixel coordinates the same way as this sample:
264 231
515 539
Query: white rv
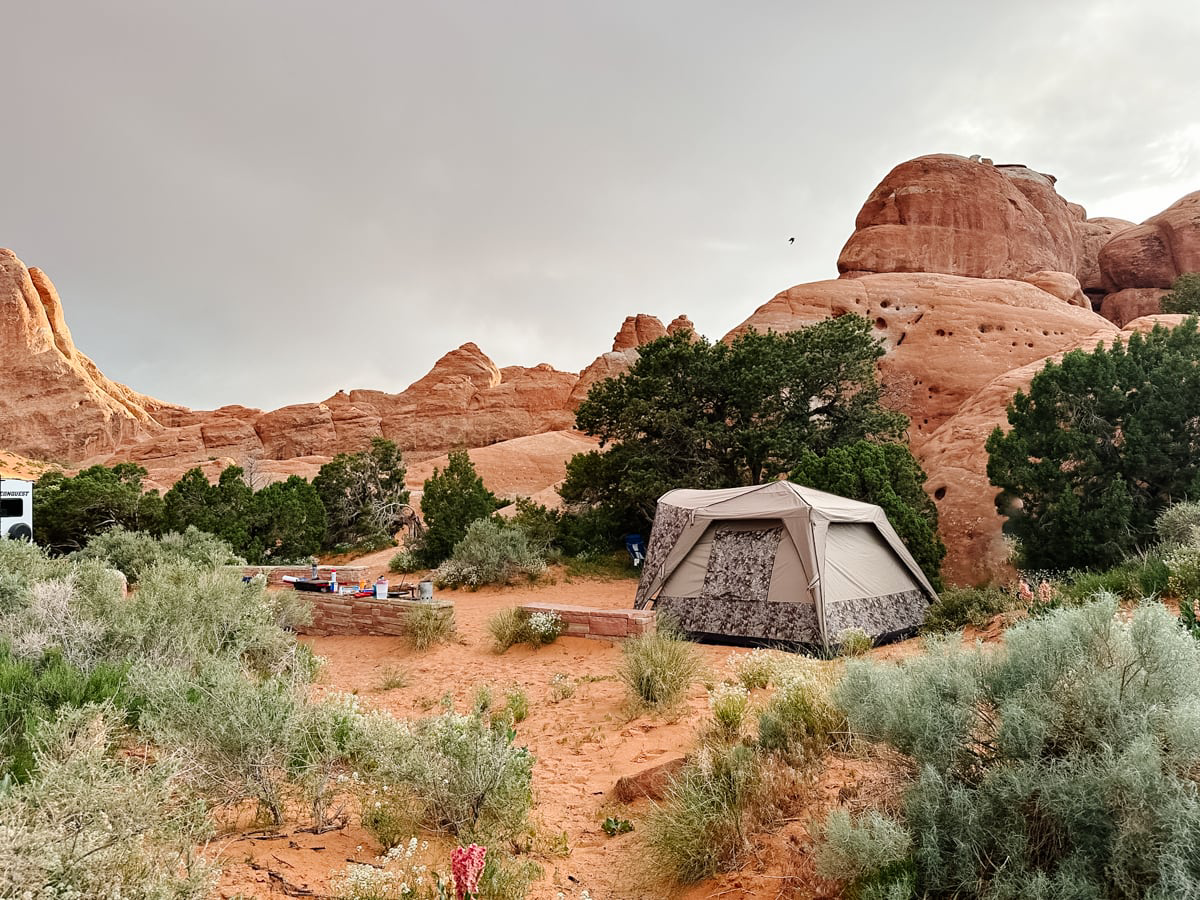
16 508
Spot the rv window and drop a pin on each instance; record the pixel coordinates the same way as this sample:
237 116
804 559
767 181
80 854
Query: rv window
12 507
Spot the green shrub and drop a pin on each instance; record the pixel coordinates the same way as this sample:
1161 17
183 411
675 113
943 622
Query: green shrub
36 691
854 850
516 706
427 626
404 562
658 668
1062 763
135 552
489 553
180 616
1179 524
519 626
539 524
729 704
1183 564
508 627
93 824
1141 576
236 735
801 711
705 819
960 606
472 779
853 641
755 669
452 499
1184 296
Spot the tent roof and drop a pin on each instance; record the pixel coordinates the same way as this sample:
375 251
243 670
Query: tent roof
772 499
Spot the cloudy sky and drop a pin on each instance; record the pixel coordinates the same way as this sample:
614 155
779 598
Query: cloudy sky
257 202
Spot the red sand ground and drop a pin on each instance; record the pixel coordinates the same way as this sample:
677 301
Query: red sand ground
582 744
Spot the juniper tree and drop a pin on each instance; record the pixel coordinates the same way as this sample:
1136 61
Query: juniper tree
1101 443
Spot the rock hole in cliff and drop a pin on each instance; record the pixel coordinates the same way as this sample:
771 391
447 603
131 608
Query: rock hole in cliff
939 493
881 323
984 328
884 304
941 332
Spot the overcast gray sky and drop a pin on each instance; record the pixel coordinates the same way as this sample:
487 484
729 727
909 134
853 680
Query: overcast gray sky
260 202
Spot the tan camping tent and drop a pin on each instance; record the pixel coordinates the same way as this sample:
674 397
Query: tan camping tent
780 562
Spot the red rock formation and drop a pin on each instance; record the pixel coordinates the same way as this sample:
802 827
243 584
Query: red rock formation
1124 306
946 336
1155 253
638 330
1093 235
519 467
1062 285
54 402
681 323
951 215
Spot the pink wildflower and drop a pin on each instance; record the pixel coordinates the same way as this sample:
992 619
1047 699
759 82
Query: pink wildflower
1024 592
1045 592
466 865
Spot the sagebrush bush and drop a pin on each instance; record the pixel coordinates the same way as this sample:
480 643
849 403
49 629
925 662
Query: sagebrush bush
802 710
471 779
490 553
1183 582
658 668
236 734
427 626
135 552
960 606
96 825
709 811
1062 763
1179 524
404 562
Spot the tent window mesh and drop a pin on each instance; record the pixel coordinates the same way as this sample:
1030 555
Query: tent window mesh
741 564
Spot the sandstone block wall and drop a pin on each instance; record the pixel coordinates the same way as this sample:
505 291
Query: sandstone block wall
603 624
343 614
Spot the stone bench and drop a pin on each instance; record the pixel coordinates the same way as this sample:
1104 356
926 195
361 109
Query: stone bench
344 614
593 622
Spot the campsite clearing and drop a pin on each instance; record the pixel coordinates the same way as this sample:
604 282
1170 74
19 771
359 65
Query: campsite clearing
583 745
